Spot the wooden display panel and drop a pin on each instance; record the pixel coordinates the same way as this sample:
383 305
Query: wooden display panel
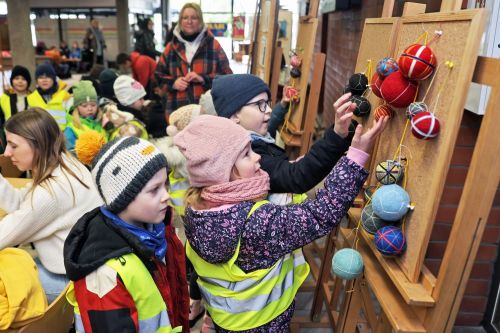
305 42
429 160
266 37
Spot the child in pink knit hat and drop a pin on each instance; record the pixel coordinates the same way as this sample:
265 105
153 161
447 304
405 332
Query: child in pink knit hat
246 250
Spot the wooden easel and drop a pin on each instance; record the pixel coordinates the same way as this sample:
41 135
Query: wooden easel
420 302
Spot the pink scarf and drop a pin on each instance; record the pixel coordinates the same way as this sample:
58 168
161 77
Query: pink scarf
238 190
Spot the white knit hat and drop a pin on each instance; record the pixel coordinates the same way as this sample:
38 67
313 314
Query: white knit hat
127 90
123 167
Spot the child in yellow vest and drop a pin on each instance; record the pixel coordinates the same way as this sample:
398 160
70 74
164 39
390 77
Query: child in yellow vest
245 250
84 115
14 99
50 94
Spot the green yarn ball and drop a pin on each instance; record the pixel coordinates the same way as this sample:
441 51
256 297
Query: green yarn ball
371 222
347 264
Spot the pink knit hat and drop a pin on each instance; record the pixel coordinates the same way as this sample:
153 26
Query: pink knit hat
211 146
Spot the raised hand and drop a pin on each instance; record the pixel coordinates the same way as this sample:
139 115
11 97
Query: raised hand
343 108
365 141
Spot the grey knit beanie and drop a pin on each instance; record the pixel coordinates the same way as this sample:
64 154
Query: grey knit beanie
123 167
231 92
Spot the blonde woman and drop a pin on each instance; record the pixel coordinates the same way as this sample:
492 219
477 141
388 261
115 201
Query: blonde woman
45 210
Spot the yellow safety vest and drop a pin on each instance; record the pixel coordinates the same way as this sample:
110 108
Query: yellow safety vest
241 301
115 132
177 191
5 104
87 125
151 308
55 106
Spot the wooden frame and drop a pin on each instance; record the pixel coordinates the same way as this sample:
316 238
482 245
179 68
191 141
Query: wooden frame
263 49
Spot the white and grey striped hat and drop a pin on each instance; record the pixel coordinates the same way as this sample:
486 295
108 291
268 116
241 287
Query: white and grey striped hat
123 167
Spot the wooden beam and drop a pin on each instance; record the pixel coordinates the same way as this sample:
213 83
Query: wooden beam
473 210
450 5
413 8
388 8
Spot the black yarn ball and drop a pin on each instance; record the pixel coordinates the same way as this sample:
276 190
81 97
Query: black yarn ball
363 107
295 72
346 90
358 83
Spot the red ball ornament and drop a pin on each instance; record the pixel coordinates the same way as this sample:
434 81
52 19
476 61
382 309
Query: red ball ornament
375 84
295 61
417 62
383 110
398 91
292 93
425 125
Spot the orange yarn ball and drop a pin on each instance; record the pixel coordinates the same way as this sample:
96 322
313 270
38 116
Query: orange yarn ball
383 110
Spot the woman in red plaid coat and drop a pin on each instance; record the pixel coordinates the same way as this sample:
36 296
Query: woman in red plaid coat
190 61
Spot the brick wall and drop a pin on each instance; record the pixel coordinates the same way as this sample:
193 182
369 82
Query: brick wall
477 291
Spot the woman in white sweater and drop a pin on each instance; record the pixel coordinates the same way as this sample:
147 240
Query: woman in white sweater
45 210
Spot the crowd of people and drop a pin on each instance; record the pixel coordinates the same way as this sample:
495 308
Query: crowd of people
116 156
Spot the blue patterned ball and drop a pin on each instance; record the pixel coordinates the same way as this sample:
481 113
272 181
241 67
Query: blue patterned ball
347 264
390 202
387 66
390 241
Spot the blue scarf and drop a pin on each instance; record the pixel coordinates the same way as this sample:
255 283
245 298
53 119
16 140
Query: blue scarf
153 237
256 136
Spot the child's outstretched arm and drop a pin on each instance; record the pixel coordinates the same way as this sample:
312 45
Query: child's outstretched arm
301 176
273 231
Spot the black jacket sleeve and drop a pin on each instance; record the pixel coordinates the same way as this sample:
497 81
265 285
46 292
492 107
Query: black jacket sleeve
303 175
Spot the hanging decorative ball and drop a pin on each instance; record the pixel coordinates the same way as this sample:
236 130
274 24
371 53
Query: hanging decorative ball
389 172
295 72
358 83
425 125
383 110
375 84
390 202
291 93
363 106
417 62
295 61
346 90
390 241
415 108
387 66
398 91
370 221
347 264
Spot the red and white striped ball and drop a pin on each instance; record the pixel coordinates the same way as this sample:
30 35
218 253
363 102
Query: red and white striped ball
425 125
383 110
417 62
375 84
398 91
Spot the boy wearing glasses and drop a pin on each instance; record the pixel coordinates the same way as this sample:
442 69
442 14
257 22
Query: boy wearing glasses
244 98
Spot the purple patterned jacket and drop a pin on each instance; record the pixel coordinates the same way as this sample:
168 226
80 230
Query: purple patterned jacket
273 231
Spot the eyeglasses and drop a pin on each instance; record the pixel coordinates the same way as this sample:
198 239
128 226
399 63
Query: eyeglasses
262 104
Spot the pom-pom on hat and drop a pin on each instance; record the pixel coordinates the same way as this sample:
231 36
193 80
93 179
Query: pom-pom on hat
231 92
181 117
84 92
211 146
127 90
20 71
122 167
47 70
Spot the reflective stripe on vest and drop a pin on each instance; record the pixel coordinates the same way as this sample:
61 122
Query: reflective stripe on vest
240 301
5 104
55 106
177 190
151 309
87 124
